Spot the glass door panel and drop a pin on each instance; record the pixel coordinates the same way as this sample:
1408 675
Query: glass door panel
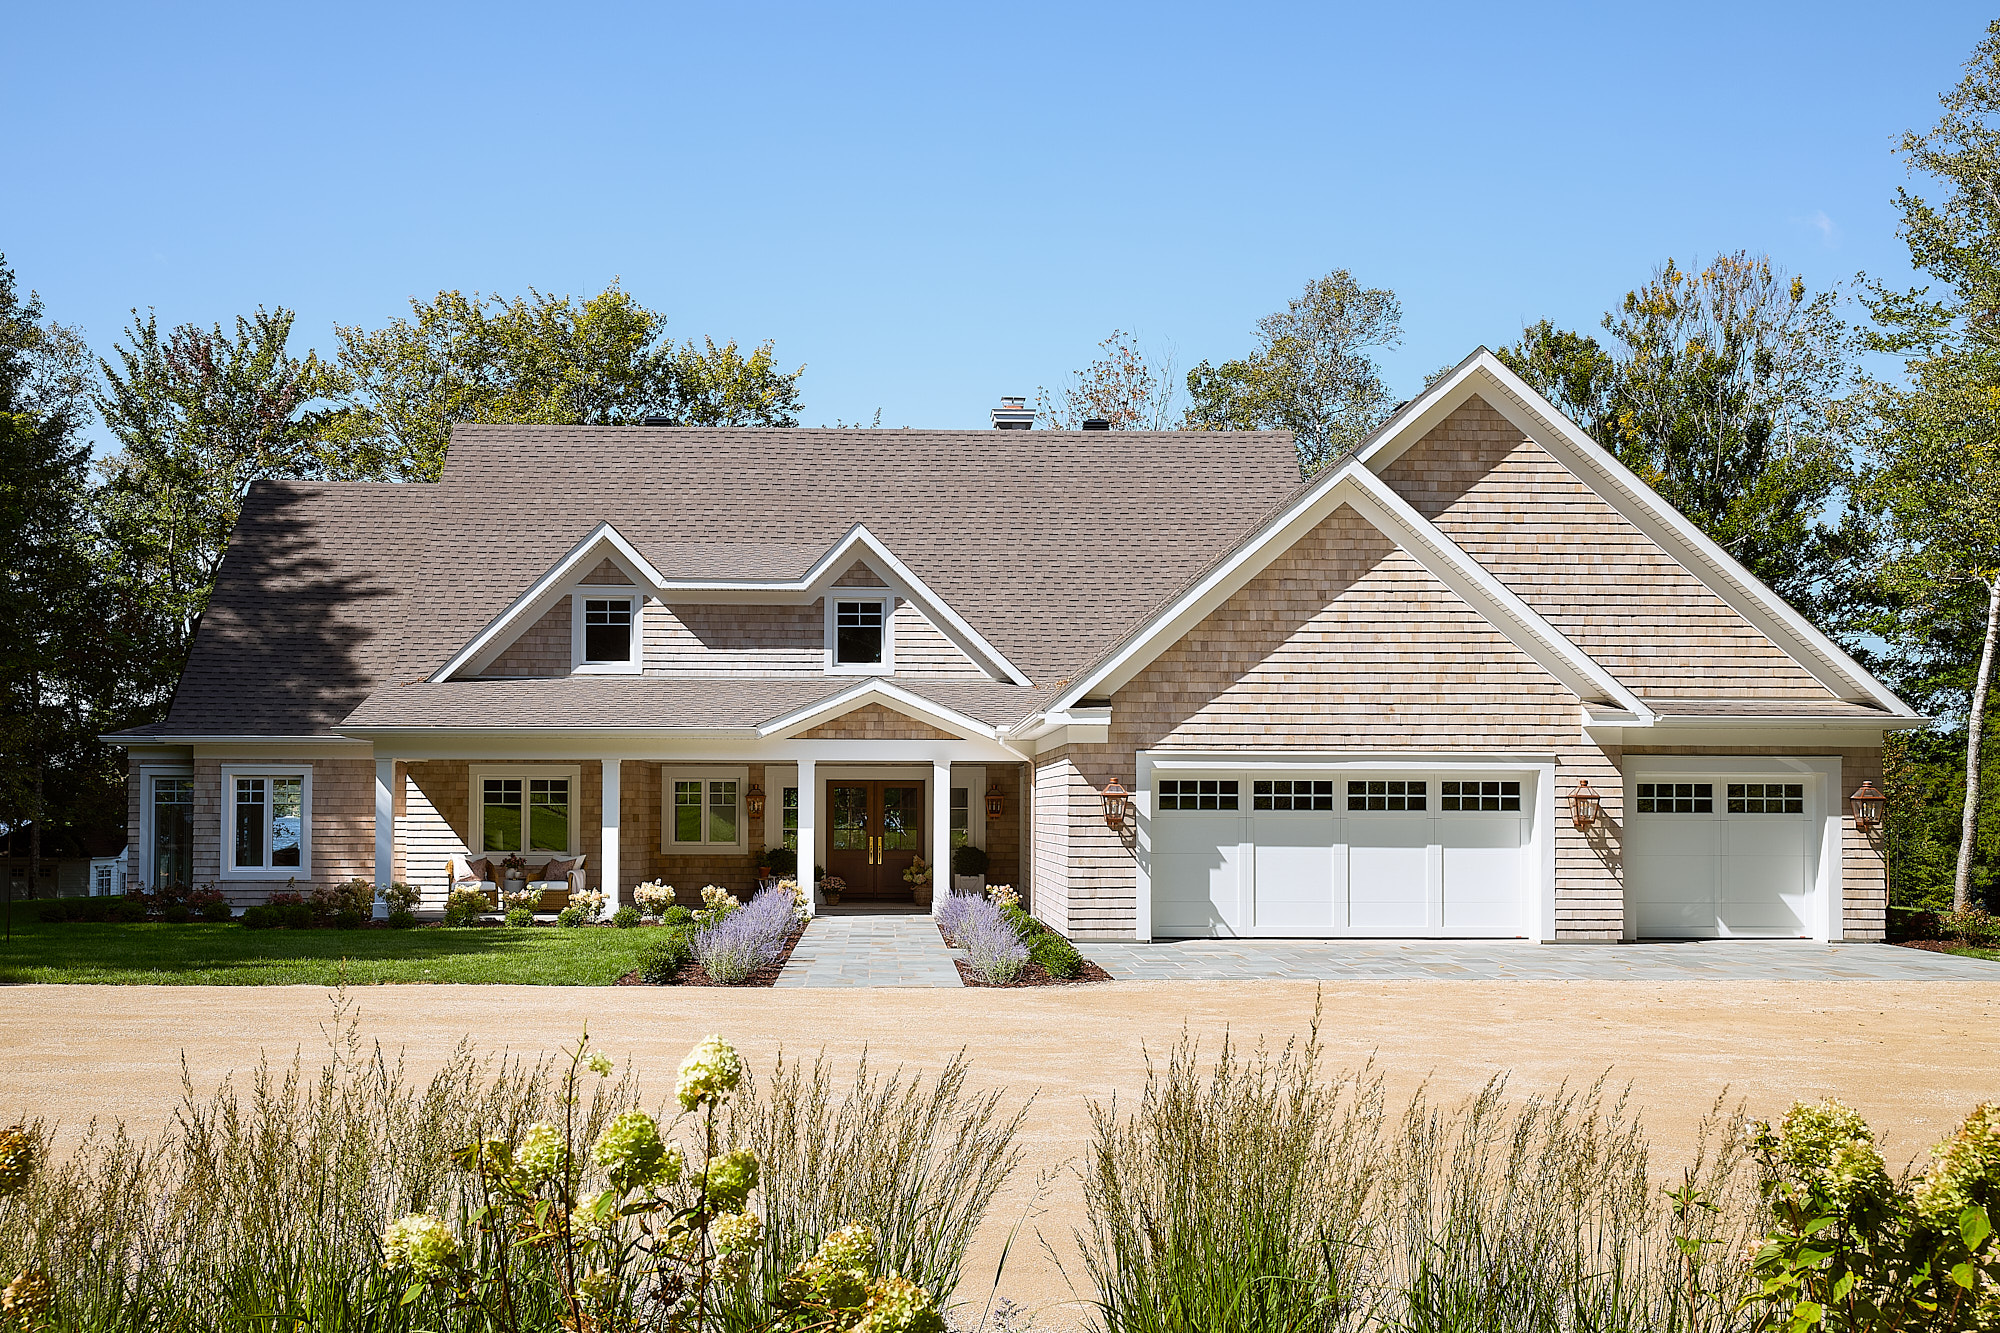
850 819
902 819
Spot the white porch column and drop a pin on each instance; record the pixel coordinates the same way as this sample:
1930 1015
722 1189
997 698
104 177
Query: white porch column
940 833
607 836
385 833
808 839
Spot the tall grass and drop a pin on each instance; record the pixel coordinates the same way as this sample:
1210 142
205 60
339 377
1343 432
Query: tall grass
1262 1195
260 1209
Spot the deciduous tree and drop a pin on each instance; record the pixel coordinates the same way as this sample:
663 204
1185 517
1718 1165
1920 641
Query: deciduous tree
1121 386
1313 371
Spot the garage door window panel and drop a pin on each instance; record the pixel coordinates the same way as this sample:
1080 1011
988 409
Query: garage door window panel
1676 798
1199 794
1484 797
1291 794
1767 798
1388 794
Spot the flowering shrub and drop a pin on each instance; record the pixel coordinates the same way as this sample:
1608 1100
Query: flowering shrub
1974 926
591 901
951 915
993 946
653 898
1003 895
523 899
919 872
346 904
666 1245
715 898
1849 1247
801 905
464 907
402 897
740 942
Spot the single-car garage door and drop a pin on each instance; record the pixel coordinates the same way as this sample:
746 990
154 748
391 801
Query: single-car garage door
1383 854
1720 857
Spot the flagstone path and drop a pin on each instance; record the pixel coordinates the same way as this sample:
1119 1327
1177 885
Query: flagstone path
870 951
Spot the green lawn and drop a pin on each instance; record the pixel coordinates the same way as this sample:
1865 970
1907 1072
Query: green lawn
229 955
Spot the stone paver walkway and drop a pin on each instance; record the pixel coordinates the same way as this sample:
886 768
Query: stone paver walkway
870 951
1502 960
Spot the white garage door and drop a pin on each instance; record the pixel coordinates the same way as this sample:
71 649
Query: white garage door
1381 854
1714 858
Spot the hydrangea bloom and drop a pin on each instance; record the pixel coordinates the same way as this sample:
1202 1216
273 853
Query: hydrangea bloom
542 1154
851 1246
711 1072
836 1276
1810 1136
728 1179
591 1218
630 1151
734 1233
653 897
1003 896
718 899
898 1305
421 1243
598 1287
30 1298
1964 1169
599 1063
1857 1174
17 1158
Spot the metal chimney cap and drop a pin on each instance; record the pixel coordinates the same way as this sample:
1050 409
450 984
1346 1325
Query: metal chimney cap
660 421
1096 423
1013 414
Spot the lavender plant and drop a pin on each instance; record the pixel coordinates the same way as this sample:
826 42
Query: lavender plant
951 916
993 947
747 938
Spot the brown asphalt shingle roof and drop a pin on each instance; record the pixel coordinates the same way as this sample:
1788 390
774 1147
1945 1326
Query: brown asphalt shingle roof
1052 545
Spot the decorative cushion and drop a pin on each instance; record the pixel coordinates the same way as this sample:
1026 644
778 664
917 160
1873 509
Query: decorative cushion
484 869
558 869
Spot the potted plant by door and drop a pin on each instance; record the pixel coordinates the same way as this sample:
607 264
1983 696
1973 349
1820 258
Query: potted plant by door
968 870
831 887
918 877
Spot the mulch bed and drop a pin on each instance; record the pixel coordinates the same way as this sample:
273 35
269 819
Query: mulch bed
1931 946
692 973
1034 974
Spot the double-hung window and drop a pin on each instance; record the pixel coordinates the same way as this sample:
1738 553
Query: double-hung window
605 630
266 820
705 809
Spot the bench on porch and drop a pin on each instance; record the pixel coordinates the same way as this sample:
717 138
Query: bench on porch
555 892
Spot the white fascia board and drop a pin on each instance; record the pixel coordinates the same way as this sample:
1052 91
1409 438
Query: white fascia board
1038 725
547 590
876 691
140 742
818 581
1350 483
1641 506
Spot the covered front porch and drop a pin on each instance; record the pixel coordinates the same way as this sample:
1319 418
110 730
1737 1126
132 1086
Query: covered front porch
691 815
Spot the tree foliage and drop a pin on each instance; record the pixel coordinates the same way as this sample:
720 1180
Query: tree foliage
602 361
1722 389
1313 371
1121 385
1934 437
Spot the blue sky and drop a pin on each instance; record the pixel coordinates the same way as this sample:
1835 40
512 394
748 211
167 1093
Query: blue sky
934 205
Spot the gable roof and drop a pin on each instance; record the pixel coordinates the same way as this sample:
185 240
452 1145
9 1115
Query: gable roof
1050 543
1353 479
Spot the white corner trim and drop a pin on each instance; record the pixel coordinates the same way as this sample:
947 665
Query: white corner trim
876 690
548 589
1599 470
1349 483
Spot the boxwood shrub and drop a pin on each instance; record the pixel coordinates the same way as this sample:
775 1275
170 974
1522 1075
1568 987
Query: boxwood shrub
1057 955
666 953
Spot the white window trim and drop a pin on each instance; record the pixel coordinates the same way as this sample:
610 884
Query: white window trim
887 666
606 592
705 775
476 776
147 772
231 772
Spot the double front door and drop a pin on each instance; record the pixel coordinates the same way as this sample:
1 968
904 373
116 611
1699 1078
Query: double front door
877 829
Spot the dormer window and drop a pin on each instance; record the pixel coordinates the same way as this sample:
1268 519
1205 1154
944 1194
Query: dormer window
858 635
606 632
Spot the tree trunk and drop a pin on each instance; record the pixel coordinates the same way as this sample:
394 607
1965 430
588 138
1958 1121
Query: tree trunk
1961 889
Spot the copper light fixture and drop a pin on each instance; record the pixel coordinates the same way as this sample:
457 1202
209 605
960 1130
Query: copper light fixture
1584 807
992 803
1869 805
1116 801
754 798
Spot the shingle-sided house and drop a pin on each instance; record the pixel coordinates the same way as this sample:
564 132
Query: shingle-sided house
1361 706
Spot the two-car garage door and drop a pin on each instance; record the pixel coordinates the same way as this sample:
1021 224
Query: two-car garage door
1358 854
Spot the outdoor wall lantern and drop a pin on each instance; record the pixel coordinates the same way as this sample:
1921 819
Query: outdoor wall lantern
1584 808
754 798
992 803
1116 802
1869 805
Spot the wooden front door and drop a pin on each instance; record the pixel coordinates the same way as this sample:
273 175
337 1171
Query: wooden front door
876 830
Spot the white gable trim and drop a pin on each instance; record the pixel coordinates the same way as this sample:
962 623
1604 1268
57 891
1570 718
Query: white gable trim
1485 374
858 543
882 692
861 544
603 542
1350 484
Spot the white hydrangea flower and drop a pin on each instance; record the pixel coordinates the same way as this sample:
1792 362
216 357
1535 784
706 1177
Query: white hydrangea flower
736 1232
600 1064
421 1243
711 1072
631 1152
542 1154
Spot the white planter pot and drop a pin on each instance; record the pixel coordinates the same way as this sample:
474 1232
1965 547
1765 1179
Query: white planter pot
972 886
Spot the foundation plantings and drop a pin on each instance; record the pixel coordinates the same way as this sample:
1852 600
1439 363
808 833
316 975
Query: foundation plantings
1005 946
